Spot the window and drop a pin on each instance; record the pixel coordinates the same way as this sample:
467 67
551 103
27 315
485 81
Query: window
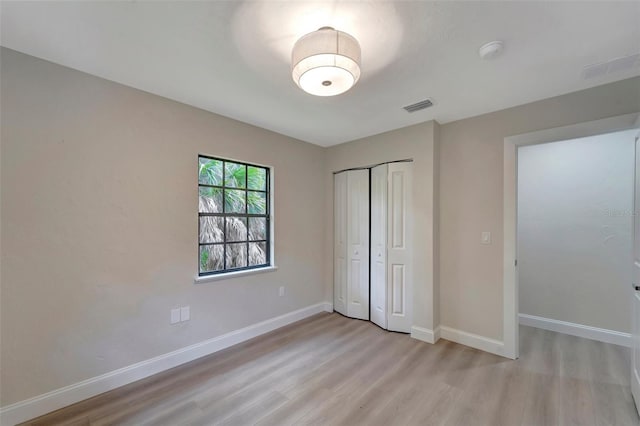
233 216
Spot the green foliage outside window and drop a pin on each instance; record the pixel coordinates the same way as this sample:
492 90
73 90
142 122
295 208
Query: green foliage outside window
234 213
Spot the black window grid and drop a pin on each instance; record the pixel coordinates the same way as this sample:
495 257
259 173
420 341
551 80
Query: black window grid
245 214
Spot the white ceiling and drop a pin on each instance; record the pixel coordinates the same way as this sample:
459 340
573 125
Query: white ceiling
232 58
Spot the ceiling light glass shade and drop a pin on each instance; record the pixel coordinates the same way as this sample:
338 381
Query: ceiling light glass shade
326 62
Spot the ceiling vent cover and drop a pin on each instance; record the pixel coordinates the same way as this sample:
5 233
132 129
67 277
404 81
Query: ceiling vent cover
419 105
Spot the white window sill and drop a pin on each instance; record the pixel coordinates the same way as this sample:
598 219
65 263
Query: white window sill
229 275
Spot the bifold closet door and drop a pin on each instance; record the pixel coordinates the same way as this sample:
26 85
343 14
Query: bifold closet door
399 247
379 177
391 247
358 244
340 243
351 243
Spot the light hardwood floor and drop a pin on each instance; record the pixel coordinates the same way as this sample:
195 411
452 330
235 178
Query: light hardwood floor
330 370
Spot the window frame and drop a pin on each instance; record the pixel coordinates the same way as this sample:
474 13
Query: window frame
268 241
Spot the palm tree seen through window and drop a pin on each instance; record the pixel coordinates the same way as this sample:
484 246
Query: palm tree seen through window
233 210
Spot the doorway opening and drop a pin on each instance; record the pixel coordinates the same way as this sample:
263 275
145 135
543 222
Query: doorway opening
511 266
575 227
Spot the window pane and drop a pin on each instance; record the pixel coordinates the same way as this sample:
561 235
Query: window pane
256 202
210 171
211 229
257 228
257 178
228 191
235 175
257 254
236 229
236 255
234 201
210 200
211 258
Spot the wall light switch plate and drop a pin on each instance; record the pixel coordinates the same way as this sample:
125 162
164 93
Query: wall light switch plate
185 313
175 316
281 291
485 238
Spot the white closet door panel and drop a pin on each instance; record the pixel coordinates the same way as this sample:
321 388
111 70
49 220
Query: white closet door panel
355 298
358 243
340 243
399 248
379 176
398 286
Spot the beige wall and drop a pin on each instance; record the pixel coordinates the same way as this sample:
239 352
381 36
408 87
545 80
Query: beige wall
99 223
471 185
99 226
420 144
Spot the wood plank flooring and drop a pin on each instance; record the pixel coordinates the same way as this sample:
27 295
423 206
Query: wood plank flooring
330 370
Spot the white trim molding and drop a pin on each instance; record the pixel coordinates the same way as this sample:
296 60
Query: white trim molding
579 330
234 274
510 289
425 334
473 340
59 398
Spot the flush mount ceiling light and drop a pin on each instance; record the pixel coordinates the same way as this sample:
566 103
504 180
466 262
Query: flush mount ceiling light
326 62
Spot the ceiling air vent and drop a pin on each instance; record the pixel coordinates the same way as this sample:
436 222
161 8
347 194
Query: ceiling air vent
615 65
419 105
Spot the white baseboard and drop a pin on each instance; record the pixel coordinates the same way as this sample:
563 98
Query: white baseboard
579 330
425 334
54 400
472 340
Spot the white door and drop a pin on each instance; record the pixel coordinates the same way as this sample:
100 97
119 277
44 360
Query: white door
635 358
340 243
358 244
379 176
399 248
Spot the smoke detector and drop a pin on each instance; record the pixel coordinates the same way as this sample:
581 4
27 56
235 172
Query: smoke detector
491 50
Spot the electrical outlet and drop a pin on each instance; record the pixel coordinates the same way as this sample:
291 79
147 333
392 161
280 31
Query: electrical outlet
175 316
281 291
185 313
